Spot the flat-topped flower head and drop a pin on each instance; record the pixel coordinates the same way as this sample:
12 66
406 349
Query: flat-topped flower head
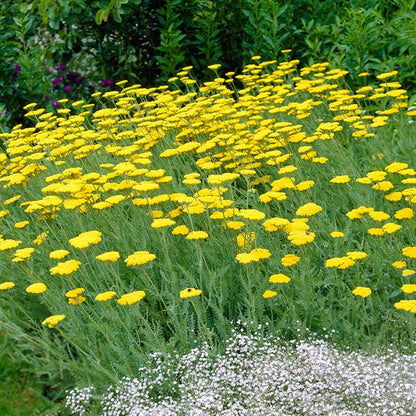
308 210
251 214
406 305
66 267
361 291
269 294
139 257
110 256
197 235
180 230
404 213
131 298
58 254
36 288
189 292
86 239
409 252
340 262
7 285
399 264
341 179
162 223
279 278
409 288
105 296
74 292
53 320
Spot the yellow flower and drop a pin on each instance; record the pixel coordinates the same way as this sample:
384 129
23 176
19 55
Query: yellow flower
253 256
7 285
404 213
298 224
375 231
180 230
399 264
340 262
22 254
408 272
233 225
391 227
85 239
9 244
308 210
139 257
356 255
66 267
279 278
336 234
275 223
131 298
394 196
379 215
261 253
269 294
58 254
409 288
21 224
53 320
289 260
340 179
251 214
299 238
36 288
362 291
104 296
376 175
197 235
396 167
189 292
383 186
406 305
162 222
76 300
409 252
74 292
108 256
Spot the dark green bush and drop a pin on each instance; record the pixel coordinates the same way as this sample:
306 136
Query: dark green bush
148 41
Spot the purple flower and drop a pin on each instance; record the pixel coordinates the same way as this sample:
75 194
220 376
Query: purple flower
17 69
67 88
6 113
60 67
72 75
106 82
49 70
57 80
47 97
55 104
78 80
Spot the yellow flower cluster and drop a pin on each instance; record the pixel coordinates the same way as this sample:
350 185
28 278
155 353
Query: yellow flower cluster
234 162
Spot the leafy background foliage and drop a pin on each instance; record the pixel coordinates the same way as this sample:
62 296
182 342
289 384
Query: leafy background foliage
148 41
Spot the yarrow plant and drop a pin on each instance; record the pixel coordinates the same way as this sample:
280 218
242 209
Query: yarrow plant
153 217
261 375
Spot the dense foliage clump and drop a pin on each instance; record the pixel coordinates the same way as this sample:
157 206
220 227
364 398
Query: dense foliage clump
157 217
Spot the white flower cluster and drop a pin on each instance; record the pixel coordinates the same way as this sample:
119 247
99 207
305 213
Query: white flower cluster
79 399
263 376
